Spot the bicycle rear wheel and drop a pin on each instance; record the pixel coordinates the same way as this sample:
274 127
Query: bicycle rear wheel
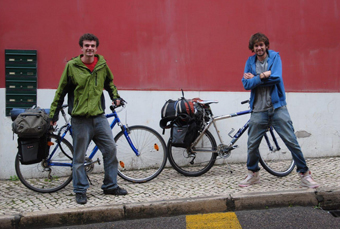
41 177
276 158
152 159
193 164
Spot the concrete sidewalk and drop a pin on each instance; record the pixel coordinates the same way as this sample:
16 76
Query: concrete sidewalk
169 194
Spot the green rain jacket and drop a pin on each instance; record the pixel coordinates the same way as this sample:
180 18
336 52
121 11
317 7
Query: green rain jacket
84 89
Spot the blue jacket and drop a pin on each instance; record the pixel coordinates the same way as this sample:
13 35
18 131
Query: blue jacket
278 94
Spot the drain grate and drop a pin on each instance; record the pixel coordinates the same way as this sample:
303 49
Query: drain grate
335 213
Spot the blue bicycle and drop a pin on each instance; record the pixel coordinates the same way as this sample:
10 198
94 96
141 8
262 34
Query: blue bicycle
201 155
141 153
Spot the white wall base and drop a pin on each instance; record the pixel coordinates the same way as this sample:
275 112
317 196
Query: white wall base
315 117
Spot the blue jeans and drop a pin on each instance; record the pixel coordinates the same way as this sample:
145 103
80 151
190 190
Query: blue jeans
97 129
280 120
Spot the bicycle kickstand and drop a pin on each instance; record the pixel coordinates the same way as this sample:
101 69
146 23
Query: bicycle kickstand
88 178
229 168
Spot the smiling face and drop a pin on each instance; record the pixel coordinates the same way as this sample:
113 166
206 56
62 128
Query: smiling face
260 49
89 48
259 44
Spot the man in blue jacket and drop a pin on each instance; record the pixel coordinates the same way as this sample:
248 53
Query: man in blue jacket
263 76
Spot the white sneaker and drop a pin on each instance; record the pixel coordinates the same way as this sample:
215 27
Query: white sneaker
307 180
251 178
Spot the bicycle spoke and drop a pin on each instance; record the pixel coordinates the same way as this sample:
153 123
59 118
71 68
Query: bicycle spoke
190 163
152 158
278 160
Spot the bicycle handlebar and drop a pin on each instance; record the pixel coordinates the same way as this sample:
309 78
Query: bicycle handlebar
245 101
122 104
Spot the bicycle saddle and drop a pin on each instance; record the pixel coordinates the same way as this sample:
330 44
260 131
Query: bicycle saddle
203 102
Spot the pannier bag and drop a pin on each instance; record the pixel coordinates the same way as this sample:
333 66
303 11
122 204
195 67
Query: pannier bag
32 123
173 108
183 135
33 150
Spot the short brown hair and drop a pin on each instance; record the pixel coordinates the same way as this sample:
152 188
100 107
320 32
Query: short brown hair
88 37
258 37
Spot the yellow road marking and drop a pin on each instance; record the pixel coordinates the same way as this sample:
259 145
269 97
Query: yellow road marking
214 220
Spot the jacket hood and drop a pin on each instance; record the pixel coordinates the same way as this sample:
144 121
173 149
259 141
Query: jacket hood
271 55
77 60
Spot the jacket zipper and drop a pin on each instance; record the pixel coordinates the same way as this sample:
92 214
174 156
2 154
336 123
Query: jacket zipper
95 78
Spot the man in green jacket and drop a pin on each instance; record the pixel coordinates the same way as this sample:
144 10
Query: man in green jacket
84 79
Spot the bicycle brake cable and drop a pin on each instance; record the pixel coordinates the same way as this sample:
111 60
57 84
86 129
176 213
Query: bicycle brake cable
126 117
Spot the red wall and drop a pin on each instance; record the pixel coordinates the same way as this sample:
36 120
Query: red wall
173 44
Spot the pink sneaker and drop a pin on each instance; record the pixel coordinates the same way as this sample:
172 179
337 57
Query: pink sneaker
251 178
307 180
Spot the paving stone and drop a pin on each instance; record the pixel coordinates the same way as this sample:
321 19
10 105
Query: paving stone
169 185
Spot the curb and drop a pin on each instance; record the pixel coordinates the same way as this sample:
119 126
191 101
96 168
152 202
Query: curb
274 199
329 198
324 198
9 221
176 207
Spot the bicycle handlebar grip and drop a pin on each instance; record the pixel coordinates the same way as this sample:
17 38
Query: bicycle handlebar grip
245 101
122 103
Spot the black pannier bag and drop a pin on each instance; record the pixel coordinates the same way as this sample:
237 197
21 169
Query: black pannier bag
183 132
33 150
179 115
173 108
31 125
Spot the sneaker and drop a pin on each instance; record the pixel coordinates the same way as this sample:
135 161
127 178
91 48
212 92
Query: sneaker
251 178
307 180
81 198
116 191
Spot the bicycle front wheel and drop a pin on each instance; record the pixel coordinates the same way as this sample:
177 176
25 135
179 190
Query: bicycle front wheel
44 177
275 157
152 154
194 164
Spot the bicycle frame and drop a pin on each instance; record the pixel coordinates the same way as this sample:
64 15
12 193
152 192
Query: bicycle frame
234 139
68 129
208 147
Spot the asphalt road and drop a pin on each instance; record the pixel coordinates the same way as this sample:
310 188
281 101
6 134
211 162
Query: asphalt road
276 218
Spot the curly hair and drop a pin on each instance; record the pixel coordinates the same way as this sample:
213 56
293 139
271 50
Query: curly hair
88 37
257 37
